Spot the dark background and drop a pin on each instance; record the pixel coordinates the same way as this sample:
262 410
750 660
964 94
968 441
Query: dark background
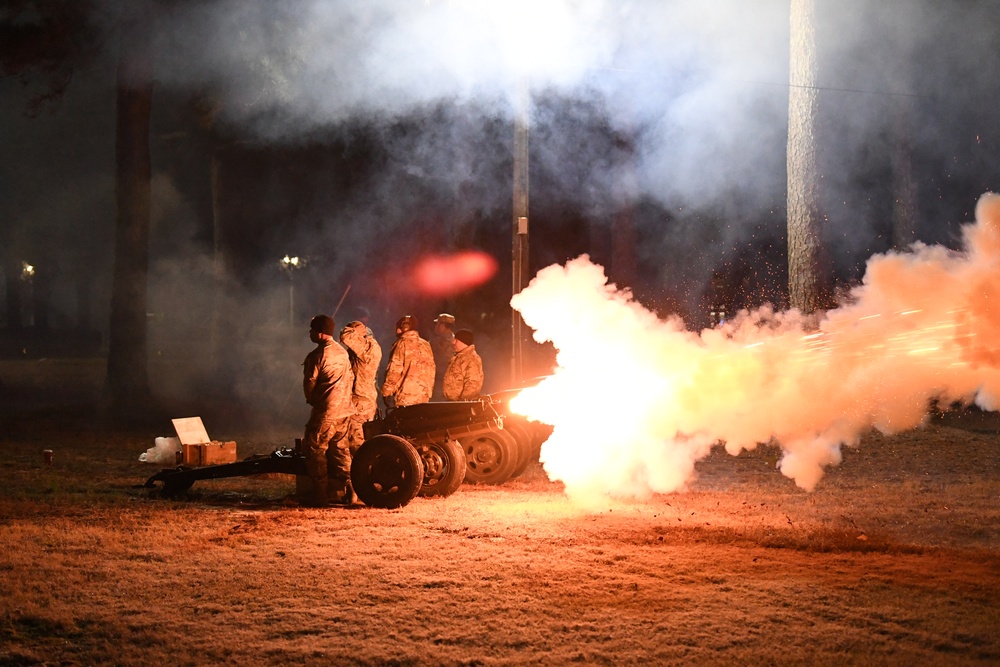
365 138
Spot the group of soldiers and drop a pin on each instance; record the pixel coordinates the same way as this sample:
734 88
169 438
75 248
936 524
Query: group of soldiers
340 383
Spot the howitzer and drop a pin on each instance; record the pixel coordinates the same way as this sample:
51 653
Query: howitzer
426 449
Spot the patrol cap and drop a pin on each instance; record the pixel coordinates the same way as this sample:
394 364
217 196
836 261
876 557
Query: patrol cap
352 325
444 318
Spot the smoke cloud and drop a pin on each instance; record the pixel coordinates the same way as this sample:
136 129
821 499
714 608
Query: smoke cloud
699 91
369 135
637 401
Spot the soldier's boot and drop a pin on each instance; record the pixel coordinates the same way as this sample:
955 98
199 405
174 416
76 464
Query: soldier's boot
350 498
335 491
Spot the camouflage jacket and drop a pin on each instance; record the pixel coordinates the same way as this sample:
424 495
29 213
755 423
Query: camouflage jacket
327 379
365 355
444 350
409 378
464 378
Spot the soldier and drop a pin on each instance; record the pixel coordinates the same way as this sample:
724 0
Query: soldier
441 341
362 315
464 378
327 382
365 355
409 378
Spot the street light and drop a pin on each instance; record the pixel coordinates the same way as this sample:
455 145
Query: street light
27 293
290 265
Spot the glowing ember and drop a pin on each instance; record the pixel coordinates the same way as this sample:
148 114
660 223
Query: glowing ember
636 401
451 274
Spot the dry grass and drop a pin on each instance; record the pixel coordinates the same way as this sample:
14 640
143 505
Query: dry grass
895 559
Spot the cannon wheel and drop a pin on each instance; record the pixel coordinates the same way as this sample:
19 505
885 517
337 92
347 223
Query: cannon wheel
525 448
539 434
444 468
386 472
491 457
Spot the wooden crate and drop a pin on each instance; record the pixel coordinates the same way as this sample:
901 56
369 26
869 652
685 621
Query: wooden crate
209 453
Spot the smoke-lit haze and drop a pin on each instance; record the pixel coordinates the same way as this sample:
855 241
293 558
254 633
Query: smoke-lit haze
636 401
370 135
698 90
704 84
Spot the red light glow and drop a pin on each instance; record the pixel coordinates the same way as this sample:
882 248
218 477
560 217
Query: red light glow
445 275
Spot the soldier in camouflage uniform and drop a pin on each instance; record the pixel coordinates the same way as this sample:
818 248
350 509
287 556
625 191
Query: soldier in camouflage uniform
365 355
463 380
442 339
327 382
409 378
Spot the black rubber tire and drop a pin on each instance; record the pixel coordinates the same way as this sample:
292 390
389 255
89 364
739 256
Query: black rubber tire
444 468
524 446
539 434
386 472
491 458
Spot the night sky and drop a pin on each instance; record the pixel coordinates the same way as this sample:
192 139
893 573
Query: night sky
365 135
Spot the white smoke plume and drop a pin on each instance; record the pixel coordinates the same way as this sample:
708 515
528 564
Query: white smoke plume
636 401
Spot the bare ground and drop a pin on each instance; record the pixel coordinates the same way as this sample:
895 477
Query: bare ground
894 559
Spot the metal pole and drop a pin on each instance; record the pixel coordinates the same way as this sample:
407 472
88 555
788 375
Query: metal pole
519 254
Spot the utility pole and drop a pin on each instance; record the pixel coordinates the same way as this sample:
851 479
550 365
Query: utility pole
519 253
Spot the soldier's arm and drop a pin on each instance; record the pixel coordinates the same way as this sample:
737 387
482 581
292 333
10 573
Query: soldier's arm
475 377
451 385
310 374
393 373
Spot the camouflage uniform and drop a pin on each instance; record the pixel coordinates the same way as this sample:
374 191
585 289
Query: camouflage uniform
365 355
409 379
443 345
327 381
464 378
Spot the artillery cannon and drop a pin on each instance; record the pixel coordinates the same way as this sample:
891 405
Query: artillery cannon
414 450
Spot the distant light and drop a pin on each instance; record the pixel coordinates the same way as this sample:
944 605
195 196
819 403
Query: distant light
291 263
27 271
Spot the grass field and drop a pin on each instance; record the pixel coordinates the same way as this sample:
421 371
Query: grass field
894 559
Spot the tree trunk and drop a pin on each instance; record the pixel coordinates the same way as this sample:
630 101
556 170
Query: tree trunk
40 286
128 375
624 264
216 337
804 219
904 185
12 277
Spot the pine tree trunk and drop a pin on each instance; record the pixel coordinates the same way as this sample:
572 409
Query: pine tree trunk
804 219
624 264
12 278
904 184
128 375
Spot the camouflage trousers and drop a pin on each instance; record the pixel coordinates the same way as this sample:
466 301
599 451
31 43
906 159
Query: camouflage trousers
355 434
328 456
